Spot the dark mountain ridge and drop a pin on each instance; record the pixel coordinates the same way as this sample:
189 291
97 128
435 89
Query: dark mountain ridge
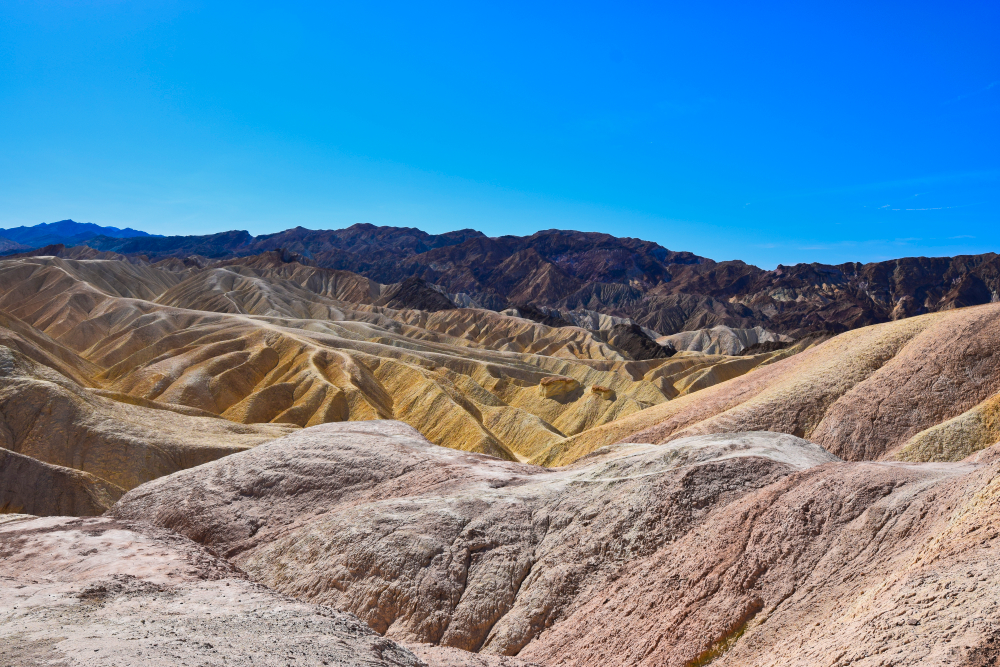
661 289
66 232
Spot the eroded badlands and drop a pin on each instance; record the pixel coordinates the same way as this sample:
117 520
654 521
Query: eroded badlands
258 460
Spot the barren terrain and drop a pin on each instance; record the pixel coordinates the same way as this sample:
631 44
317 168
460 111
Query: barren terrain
381 447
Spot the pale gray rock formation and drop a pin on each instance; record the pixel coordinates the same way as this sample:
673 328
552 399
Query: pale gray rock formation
434 545
591 319
744 549
721 339
778 447
585 319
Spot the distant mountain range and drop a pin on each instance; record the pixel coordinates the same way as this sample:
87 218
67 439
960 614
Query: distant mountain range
554 272
66 232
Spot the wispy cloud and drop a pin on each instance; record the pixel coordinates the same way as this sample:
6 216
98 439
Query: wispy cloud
962 236
982 90
888 207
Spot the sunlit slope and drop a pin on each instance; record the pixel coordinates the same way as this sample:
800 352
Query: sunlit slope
922 388
259 343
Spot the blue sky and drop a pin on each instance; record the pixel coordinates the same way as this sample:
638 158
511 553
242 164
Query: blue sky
769 132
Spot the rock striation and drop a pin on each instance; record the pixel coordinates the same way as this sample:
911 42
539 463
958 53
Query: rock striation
65 449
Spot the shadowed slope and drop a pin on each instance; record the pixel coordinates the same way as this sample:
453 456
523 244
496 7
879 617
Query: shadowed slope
48 417
29 486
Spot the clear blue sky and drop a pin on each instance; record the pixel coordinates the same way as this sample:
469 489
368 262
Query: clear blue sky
761 131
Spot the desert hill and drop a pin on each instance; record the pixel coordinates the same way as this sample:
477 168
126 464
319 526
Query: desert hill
272 338
124 371
746 548
918 389
115 444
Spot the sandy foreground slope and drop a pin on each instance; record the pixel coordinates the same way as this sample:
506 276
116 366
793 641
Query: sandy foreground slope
95 591
751 549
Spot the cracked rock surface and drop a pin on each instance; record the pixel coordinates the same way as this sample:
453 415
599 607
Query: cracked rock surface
95 591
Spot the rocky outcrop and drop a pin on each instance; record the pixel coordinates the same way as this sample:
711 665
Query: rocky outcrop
556 385
635 344
724 340
748 549
99 592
